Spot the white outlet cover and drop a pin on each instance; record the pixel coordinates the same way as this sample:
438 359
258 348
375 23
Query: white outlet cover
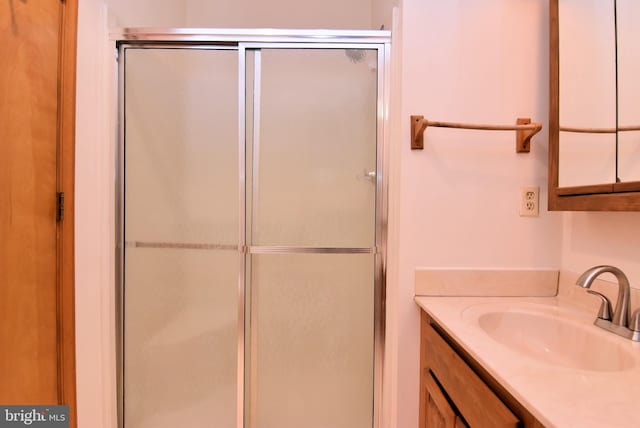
530 201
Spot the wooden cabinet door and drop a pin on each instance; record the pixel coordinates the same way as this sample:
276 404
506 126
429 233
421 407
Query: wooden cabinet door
439 413
479 405
36 301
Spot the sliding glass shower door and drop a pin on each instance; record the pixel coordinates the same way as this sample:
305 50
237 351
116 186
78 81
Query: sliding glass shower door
311 236
181 226
250 230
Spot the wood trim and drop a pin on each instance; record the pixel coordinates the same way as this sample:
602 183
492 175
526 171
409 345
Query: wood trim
66 173
424 371
554 107
624 201
611 197
585 190
627 186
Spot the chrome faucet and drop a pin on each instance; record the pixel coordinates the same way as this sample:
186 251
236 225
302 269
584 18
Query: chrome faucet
620 322
621 311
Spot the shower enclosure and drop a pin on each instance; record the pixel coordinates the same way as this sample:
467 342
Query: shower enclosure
251 228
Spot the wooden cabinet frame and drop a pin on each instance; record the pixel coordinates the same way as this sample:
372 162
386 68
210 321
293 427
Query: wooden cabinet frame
601 197
66 179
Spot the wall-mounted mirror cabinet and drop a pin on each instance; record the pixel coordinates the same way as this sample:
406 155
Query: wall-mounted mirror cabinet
594 115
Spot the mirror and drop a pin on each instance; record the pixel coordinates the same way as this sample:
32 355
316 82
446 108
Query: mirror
594 116
586 156
628 31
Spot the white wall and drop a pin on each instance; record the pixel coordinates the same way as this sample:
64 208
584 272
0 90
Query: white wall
485 63
597 238
94 258
468 61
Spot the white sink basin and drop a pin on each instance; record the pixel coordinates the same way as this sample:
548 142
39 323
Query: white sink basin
552 337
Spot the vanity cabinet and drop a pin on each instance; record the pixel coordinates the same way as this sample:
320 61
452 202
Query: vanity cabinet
456 392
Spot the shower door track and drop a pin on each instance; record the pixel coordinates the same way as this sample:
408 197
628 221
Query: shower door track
262 249
243 40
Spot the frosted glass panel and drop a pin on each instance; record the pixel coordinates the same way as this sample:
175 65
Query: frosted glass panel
181 145
314 158
180 338
181 230
311 358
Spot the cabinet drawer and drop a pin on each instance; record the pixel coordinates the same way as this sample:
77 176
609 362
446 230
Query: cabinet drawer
477 403
439 413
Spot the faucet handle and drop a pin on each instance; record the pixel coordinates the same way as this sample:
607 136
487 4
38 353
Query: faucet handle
605 308
635 320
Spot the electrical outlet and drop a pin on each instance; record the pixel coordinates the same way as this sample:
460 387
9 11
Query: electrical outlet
529 202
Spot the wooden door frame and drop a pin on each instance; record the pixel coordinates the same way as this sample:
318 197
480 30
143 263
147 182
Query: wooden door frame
66 180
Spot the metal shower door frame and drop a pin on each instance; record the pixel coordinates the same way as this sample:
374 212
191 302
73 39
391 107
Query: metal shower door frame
245 41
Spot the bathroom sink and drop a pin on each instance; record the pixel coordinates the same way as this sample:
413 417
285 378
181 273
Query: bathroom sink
549 337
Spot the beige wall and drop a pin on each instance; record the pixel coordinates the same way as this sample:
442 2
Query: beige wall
353 14
382 15
143 13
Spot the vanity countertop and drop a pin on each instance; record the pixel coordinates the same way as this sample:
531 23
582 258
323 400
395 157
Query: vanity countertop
557 394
